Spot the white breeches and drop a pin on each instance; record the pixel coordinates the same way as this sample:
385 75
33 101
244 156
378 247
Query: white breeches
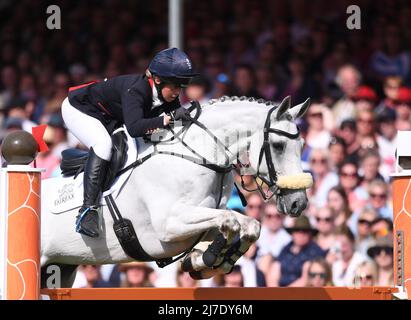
88 130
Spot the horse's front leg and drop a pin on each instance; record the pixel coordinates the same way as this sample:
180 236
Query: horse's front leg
186 222
250 232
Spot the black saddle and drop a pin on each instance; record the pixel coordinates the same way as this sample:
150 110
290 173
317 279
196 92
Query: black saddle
74 160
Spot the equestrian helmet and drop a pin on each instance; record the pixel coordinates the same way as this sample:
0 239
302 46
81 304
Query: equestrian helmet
172 66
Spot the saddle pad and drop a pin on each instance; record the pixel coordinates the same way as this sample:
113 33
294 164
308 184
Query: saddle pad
66 193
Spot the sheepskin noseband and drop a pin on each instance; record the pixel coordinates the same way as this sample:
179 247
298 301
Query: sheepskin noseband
295 181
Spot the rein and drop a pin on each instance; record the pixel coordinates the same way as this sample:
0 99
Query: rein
200 160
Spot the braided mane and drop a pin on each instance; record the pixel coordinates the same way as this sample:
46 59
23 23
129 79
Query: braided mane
242 98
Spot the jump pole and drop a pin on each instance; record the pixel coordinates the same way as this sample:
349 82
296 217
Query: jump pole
20 207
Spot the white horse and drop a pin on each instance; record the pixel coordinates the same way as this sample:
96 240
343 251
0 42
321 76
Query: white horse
172 201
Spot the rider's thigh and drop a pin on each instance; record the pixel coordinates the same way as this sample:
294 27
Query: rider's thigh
87 129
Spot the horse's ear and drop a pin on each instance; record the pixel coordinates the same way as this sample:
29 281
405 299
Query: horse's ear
299 110
283 107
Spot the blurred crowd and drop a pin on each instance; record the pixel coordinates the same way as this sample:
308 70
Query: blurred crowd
359 82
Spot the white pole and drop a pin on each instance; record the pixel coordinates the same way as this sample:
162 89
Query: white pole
175 15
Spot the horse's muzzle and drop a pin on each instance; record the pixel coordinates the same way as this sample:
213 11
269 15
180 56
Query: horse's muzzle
292 202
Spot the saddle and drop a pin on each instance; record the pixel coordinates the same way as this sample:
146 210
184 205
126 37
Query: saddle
74 160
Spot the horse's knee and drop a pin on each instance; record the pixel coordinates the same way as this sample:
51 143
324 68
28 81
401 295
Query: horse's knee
229 223
251 230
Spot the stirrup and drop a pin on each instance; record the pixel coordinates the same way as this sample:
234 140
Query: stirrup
92 230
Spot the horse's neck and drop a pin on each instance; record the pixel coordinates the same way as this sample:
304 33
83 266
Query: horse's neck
233 123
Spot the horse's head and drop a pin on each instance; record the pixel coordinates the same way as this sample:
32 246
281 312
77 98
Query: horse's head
277 157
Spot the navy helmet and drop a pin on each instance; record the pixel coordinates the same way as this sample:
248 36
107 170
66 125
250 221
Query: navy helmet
172 65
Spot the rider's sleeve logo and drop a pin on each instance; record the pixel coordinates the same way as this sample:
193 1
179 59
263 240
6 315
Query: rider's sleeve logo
354 20
53 21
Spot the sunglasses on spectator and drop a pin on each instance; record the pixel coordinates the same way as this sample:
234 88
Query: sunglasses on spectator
316 115
312 275
272 216
369 121
319 160
378 195
366 277
387 251
255 206
364 221
327 219
349 174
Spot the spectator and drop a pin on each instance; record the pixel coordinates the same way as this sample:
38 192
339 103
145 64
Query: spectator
382 253
48 160
338 152
184 280
222 86
317 135
365 126
348 131
365 99
386 140
344 259
93 277
369 166
379 195
18 108
363 229
137 274
252 275
381 227
273 236
266 87
337 201
391 86
324 178
300 84
58 130
325 237
319 273
350 181
391 59
198 90
348 80
292 264
254 206
366 274
234 279
403 109
244 82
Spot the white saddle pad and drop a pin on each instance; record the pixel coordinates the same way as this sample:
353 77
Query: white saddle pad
66 193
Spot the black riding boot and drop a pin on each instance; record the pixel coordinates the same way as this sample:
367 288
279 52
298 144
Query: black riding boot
87 221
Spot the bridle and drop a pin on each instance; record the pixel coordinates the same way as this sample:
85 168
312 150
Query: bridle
265 151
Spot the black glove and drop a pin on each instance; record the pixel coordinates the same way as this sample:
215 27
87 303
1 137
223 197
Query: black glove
180 114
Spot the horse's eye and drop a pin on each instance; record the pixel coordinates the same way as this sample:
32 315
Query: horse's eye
278 146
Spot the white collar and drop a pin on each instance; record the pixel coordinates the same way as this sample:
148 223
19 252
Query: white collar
156 100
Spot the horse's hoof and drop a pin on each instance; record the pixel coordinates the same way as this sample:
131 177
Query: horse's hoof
186 264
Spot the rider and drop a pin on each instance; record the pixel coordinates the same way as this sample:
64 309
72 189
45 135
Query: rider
92 111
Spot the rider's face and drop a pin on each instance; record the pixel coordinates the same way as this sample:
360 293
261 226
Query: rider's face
169 91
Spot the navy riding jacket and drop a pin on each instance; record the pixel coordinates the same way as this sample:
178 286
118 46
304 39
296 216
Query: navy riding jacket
121 100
